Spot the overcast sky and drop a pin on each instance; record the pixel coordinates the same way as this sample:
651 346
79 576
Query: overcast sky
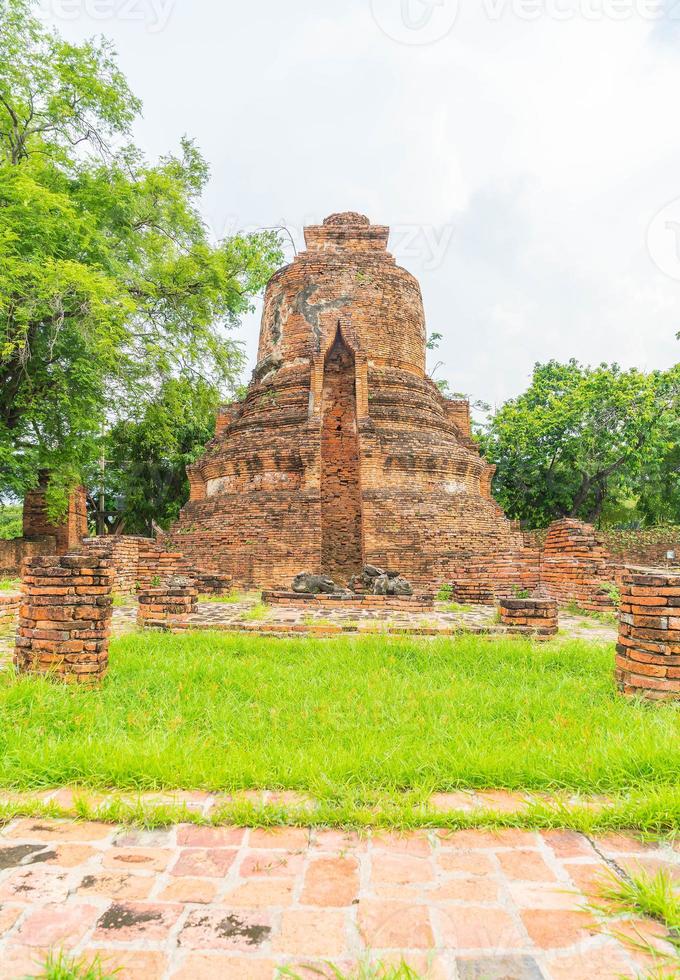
525 153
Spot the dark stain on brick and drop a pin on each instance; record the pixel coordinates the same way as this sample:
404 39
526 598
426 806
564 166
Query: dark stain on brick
122 917
312 311
41 857
231 927
11 857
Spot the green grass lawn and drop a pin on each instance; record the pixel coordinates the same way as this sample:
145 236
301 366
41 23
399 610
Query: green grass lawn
339 717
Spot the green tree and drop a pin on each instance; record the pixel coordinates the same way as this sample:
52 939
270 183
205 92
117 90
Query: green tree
581 441
11 522
109 283
145 479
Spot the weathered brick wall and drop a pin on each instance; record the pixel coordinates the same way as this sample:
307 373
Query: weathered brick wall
647 546
534 615
486 579
137 561
158 562
40 536
15 551
648 650
69 535
575 567
341 545
65 617
123 551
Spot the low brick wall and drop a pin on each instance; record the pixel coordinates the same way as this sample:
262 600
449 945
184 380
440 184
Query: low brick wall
15 551
65 618
9 608
537 616
575 567
646 547
395 603
648 651
123 550
483 580
156 564
167 606
479 591
209 583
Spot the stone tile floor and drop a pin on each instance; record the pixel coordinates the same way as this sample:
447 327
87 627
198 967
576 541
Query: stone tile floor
233 616
193 902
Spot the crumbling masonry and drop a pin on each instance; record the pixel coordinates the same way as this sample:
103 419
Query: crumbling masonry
344 452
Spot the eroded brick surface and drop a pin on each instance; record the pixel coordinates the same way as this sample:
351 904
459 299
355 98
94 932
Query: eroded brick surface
648 650
65 620
468 904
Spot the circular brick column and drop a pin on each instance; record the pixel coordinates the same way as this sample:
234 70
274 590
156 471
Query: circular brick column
65 619
169 605
648 651
531 616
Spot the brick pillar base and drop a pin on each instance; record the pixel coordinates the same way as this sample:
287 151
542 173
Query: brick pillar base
65 619
648 651
537 616
168 606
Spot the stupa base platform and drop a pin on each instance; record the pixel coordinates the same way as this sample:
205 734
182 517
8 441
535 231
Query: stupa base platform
350 600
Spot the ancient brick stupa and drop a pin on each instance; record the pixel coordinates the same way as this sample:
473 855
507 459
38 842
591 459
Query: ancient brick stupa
343 452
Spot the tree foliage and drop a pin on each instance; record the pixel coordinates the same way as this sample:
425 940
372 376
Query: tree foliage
589 442
109 283
145 479
11 521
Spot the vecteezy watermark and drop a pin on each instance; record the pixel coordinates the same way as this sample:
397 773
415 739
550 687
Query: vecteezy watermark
588 10
425 245
154 15
426 21
415 21
663 239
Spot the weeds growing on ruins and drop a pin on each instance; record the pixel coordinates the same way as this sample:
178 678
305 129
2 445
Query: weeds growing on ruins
340 718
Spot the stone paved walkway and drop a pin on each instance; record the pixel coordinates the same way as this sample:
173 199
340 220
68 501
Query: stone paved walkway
329 620
200 903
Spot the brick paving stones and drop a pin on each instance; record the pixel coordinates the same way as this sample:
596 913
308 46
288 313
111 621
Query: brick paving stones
466 905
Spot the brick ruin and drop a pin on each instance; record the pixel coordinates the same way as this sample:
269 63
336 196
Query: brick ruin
39 535
648 649
67 535
530 616
138 563
381 603
344 452
65 618
167 606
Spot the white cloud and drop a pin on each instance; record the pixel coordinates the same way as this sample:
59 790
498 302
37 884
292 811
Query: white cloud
538 150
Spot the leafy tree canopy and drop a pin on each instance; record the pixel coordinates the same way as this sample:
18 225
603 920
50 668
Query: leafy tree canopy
146 455
593 443
109 284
